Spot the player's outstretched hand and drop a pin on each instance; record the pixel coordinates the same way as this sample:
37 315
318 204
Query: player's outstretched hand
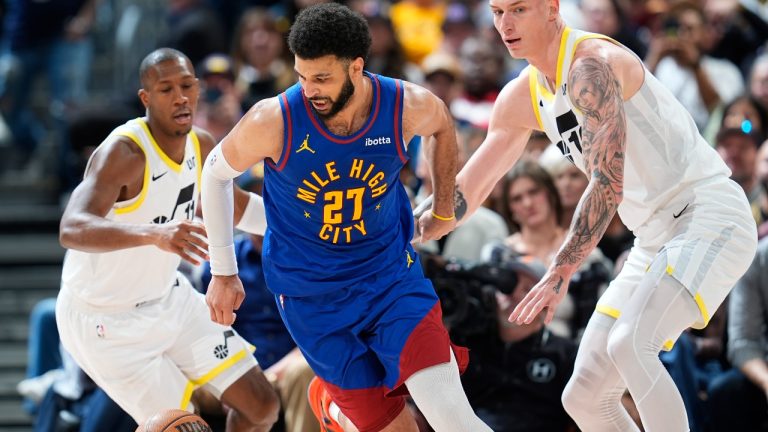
185 238
225 295
547 294
430 228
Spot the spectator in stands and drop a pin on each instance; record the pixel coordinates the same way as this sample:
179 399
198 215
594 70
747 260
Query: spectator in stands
737 399
219 107
738 148
758 80
386 56
482 70
442 76
50 37
194 29
517 373
608 17
678 58
262 66
534 212
418 25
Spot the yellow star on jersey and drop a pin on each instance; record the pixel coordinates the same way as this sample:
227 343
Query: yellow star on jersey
378 206
408 259
306 214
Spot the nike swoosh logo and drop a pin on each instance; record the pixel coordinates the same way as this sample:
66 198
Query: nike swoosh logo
681 212
157 177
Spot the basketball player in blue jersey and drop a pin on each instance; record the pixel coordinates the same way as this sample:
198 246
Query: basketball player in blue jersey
645 160
337 250
131 321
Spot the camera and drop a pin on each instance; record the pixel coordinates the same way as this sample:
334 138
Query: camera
467 293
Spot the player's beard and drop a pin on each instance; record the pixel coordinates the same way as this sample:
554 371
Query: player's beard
347 90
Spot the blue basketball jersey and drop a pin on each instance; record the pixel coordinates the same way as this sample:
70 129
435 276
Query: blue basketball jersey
337 213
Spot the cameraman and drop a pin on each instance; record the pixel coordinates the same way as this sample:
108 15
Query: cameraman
517 373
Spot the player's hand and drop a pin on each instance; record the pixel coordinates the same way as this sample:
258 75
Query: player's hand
225 295
547 294
430 228
185 238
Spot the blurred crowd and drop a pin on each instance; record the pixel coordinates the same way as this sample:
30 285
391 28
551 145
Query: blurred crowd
711 54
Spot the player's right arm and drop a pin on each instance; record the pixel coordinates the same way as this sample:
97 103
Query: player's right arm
257 136
116 173
511 124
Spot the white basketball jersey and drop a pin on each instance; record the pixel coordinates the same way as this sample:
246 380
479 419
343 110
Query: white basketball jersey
170 191
665 153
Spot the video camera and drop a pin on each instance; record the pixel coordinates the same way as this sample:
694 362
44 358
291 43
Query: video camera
467 293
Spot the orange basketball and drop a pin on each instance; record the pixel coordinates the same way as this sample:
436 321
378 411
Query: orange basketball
174 420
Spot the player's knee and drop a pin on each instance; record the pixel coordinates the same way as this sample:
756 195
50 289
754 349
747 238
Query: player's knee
573 397
254 400
621 349
266 408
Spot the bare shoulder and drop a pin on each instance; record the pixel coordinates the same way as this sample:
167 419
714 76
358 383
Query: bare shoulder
118 158
423 112
258 135
617 60
514 105
418 101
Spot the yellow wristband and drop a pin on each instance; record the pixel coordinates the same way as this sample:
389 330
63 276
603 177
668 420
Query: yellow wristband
443 218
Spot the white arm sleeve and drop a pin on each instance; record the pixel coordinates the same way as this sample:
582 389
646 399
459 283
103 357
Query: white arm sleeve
218 210
254 219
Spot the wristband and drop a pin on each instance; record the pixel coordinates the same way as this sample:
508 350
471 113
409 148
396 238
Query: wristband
443 218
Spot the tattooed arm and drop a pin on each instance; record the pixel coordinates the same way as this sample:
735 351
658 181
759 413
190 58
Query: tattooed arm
597 90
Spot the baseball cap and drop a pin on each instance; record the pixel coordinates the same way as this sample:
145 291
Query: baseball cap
438 62
217 64
745 129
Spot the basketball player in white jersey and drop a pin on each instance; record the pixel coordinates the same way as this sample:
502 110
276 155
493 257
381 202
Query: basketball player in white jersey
132 322
645 159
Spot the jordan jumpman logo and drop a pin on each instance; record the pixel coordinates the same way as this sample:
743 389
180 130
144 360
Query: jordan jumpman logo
305 145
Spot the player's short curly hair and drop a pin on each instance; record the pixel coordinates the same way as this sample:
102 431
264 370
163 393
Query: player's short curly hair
329 29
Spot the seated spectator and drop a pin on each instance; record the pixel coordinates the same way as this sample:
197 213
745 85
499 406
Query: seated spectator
738 147
534 212
737 399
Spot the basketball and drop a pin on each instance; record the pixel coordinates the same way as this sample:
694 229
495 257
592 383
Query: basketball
174 420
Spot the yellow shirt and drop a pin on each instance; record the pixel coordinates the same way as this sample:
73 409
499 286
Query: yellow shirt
419 29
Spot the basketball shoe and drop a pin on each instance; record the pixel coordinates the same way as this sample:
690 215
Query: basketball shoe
320 400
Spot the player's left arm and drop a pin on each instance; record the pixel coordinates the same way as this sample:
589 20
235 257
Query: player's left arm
596 87
426 115
249 214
